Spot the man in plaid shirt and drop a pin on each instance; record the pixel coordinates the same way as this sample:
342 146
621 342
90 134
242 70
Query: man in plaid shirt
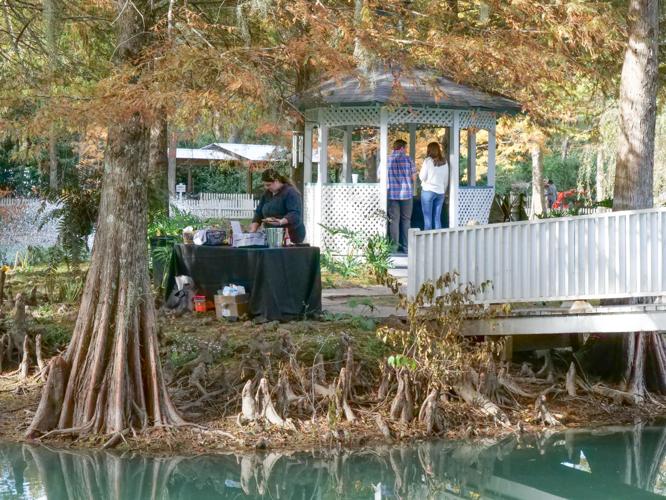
401 178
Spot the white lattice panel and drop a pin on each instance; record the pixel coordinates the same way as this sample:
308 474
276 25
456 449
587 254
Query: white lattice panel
477 119
429 116
351 206
399 116
474 204
310 200
365 115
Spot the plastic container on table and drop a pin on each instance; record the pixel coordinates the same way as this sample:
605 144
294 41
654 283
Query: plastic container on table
200 303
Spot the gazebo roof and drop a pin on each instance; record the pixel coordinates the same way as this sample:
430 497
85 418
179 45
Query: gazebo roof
416 88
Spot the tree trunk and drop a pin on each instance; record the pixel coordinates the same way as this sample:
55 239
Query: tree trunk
159 164
564 153
53 159
115 377
171 168
538 199
638 107
640 358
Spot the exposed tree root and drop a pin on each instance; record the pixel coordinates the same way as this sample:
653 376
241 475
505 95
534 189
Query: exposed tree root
487 407
542 412
263 401
342 394
429 414
24 367
526 370
383 427
547 370
571 380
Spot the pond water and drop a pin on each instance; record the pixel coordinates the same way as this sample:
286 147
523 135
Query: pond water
620 463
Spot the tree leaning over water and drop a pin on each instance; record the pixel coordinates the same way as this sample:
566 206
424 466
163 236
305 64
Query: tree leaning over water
639 359
110 377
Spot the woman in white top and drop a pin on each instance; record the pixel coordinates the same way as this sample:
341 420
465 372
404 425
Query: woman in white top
434 177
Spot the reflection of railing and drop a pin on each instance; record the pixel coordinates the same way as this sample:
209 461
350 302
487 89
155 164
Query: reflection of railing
218 205
617 254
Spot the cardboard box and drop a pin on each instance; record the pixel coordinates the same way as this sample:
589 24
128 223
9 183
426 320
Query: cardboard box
232 307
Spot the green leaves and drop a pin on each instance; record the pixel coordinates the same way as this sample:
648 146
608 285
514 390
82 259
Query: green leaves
398 361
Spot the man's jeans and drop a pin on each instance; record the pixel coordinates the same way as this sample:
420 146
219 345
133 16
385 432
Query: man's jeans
400 218
432 204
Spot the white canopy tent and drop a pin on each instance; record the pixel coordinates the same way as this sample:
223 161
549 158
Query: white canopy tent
390 100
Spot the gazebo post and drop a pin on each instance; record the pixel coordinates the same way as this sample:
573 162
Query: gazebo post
471 156
412 148
347 154
454 158
322 174
491 155
307 153
383 158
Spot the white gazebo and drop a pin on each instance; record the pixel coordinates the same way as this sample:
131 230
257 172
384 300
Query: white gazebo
400 101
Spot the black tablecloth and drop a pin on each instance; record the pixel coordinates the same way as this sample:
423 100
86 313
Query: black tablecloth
283 283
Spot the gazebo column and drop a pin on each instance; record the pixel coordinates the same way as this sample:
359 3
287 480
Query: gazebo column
454 158
322 174
412 148
347 154
491 155
471 156
307 153
383 158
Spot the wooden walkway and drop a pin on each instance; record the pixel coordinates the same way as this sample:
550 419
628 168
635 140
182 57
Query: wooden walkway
581 318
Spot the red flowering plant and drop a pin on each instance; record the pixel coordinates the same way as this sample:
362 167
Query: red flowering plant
571 199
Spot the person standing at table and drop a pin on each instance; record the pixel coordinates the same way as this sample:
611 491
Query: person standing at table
434 177
280 206
401 178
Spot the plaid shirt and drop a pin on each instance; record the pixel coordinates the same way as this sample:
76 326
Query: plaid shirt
401 170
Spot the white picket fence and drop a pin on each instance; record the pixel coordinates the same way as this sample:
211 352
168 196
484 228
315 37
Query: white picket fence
616 254
218 205
20 220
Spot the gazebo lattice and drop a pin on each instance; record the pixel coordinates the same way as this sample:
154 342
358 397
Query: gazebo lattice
387 100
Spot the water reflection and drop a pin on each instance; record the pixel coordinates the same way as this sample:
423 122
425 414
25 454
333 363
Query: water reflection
625 463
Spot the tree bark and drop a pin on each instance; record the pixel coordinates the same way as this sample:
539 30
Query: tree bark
171 168
538 198
638 107
115 377
159 163
53 159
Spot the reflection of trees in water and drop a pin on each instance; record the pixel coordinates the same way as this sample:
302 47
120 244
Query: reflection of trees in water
634 457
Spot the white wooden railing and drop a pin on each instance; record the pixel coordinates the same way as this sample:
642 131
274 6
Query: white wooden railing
218 205
616 254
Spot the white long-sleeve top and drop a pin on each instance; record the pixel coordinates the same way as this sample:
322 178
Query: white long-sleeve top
435 179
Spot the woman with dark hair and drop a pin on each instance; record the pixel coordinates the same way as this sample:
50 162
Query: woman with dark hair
434 177
280 206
